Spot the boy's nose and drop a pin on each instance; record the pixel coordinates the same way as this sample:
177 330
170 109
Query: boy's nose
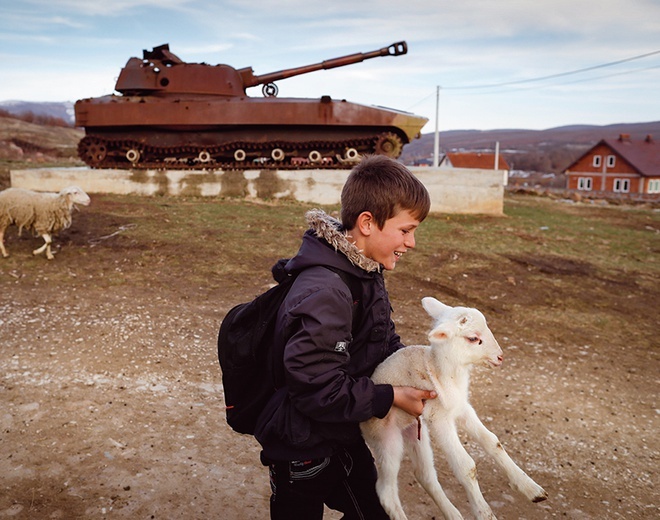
409 241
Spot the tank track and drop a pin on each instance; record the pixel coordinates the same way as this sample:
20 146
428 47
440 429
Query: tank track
99 152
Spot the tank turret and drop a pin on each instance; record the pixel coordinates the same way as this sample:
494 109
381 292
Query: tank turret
175 114
162 71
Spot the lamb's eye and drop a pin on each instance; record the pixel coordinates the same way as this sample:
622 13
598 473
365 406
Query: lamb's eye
473 339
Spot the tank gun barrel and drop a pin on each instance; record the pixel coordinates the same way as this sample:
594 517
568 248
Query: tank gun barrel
250 80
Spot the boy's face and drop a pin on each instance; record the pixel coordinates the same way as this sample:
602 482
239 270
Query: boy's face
387 245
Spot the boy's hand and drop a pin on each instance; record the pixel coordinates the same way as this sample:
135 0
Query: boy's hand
411 400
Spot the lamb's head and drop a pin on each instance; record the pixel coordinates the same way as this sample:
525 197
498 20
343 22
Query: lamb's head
75 195
463 334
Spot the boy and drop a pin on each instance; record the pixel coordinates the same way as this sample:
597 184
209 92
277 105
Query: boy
309 430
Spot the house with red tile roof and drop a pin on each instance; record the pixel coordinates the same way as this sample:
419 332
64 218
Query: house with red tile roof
618 166
479 160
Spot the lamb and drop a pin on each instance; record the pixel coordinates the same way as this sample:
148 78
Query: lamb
459 339
42 213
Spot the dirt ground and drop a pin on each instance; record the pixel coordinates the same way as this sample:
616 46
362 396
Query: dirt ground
111 403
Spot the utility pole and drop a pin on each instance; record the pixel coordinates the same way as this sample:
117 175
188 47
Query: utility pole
436 142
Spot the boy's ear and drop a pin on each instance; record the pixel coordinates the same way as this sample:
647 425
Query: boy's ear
365 223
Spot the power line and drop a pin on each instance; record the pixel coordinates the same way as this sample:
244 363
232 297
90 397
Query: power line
551 76
571 82
623 73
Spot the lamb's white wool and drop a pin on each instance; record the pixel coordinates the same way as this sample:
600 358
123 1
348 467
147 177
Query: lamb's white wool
459 339
41 213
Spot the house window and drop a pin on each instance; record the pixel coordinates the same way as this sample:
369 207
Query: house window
622 185
584 183
611 159
597 161
654 186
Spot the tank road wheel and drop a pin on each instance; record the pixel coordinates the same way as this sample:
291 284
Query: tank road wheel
351 154
277 154
133 156
204 157
389 144
93 151
240 155
315 156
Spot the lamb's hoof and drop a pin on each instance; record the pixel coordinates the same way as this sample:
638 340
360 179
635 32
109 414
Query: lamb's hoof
540 498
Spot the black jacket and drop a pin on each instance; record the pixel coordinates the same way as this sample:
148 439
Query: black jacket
328 359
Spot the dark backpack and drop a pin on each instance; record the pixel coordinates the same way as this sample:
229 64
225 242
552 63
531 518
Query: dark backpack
245 343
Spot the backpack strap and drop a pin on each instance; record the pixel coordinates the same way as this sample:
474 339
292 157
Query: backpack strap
278 271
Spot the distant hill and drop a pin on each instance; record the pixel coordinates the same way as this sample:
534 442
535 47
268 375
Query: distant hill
59 109
24 142
563 143
532 150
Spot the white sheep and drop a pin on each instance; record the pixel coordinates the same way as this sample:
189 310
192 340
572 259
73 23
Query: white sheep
459 339
41 213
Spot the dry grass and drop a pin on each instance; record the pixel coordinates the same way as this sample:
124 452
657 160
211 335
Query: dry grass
110 382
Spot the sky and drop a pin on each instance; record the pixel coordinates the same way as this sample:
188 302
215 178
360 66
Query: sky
477 64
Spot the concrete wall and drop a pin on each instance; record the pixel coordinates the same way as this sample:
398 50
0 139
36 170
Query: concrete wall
452 191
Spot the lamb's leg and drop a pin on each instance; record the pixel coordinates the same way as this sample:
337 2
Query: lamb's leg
386 443
2 244
463 467
421 455
518 479
46 247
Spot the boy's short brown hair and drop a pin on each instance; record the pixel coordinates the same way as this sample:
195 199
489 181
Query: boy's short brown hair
384 187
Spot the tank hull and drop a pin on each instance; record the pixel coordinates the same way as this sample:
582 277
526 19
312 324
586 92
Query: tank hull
197 132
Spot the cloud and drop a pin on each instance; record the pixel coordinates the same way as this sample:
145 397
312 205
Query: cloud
112 8
196 50
33 85
77 48
64 21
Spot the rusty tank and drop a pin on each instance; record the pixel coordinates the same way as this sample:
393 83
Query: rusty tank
171 114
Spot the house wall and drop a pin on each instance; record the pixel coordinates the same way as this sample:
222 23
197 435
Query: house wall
452 191
606 182
604 177
651 185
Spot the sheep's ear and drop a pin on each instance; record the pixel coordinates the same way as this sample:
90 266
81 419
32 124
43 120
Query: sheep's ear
434 307
441 333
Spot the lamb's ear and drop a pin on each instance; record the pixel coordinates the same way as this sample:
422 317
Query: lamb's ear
434 307
441 333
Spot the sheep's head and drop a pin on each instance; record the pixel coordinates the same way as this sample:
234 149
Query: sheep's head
463 333
75 195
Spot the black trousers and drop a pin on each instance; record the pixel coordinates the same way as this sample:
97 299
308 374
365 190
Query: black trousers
345 482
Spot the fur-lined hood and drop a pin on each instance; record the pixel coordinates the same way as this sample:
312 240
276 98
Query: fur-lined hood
330 229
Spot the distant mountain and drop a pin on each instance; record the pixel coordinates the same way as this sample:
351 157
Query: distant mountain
60 109
549 150
24 142
575 137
